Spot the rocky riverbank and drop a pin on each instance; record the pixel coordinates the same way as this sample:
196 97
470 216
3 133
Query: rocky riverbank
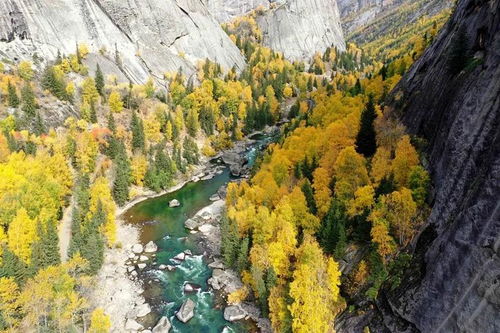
224 281
120 286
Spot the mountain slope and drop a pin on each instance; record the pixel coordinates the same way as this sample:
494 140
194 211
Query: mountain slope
452 284
299 28
150 37
365 20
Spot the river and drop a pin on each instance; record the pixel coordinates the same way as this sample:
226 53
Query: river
165 226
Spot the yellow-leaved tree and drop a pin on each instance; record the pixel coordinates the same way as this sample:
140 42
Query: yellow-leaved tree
139 167
9 292
99 322
90 95
22 234
115 101
350 172
100 192
406 158
314 290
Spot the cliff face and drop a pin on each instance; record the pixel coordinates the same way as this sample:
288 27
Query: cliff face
299 28
149 35
227 10
453 284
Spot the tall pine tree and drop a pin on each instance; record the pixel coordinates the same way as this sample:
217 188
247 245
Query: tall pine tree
99 80
45 252
29 102
12 97
366 141
138 140
122 175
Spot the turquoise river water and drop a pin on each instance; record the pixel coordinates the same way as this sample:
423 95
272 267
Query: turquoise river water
165 226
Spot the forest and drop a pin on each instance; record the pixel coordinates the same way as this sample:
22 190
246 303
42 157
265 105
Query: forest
343 178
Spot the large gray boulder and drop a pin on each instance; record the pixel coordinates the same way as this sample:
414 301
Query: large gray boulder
234 312
174 203
143 309
132 326
163 326
137 248
186 312
150 247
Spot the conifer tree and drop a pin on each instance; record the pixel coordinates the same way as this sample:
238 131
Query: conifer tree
111 123
122 175
191 153
13 266
46 250
12 95
29 104
177 155
366 141
308 193
138 141
92 248
332 233
53 84
76 241
242 255
99 80
39 127
229 241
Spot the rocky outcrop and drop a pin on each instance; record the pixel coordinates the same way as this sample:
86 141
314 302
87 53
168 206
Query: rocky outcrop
453 282
163 326
299 28
147 37
186 311
227 10
234 313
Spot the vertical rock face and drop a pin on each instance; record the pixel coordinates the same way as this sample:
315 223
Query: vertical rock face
453 284
227 10
151 36
299 28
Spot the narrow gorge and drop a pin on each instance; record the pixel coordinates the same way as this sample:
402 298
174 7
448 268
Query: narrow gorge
249 166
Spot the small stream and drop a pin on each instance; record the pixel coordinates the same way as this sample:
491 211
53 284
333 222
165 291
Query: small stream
165 226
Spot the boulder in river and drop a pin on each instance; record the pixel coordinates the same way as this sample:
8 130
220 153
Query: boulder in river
143 258
137 248
186 312
234 312
174 203
133 326
190 224
150 247
141 266
163 326
191 287
181 256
